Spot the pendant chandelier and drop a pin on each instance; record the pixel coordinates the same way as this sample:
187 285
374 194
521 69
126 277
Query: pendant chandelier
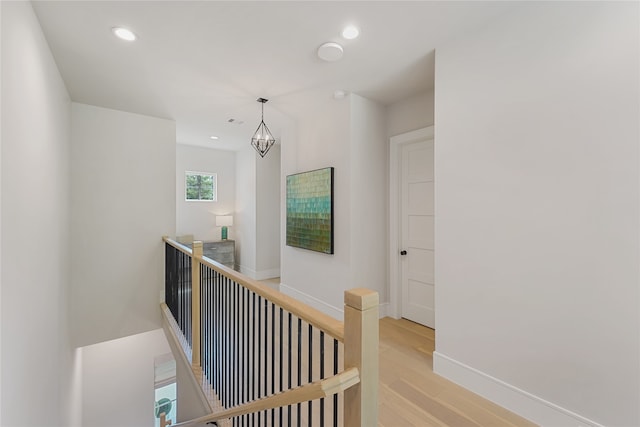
262 139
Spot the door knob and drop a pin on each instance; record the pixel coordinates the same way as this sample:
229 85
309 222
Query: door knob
403 252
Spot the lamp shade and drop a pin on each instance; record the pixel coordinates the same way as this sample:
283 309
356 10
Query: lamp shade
224 220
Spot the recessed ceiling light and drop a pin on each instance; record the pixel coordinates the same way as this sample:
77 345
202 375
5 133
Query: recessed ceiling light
350 32
213 137
124 34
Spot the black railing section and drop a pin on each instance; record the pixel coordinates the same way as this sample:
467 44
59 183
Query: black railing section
178 288
252 348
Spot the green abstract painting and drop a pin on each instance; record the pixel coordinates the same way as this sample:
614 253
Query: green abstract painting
310 210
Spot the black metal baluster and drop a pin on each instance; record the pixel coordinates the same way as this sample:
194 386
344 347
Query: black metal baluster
216 338
180 291
273 358
223 336
310 375
299 406
322 376
280 360
207 362
335 372
217 364
289 350
211 292
237 343
243 352
212 328
259 352
253 358
187 300
203 321
209 324
266 351
185 296
228 335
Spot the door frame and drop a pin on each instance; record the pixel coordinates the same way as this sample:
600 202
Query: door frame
395 143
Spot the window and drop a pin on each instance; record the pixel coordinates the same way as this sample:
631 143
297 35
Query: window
201 186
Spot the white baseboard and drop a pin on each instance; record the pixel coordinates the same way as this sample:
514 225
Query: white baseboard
525 404
314 302
246 271
259 274
267 274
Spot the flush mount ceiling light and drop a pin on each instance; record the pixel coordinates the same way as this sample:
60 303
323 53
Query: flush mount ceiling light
213 137
124 33
350 32
330 52
262 139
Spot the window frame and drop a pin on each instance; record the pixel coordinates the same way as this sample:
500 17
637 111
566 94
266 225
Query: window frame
214 184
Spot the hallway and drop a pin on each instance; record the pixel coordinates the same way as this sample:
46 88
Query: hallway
411 394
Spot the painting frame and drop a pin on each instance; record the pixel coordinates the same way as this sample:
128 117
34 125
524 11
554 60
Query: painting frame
309 210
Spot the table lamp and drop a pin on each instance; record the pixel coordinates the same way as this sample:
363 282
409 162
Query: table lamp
224 221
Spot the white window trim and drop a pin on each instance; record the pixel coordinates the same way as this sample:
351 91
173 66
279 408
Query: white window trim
215 186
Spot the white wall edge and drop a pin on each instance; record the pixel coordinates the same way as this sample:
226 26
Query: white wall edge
314 302
525 404
383 310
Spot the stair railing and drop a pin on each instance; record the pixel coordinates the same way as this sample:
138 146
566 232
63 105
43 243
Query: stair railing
266 359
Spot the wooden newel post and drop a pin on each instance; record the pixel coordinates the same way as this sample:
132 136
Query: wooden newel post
361 351
195 303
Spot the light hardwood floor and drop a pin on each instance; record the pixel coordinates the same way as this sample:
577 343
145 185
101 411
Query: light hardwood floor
411 394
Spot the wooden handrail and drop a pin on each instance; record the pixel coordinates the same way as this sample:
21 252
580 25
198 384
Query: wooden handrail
318 319
316 390
182 248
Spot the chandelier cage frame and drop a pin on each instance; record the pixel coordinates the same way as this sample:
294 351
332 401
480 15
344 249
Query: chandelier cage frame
262 139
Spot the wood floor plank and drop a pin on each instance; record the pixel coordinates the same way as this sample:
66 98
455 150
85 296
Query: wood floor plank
412 395
432 406
398 408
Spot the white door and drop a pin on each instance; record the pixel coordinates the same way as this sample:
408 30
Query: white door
417 231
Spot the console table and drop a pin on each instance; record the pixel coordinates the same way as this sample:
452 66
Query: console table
222 251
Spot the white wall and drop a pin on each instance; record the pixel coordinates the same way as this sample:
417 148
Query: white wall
1 102
537 235
198 218
415 112
321 140
257 219
245 218
36 356
369 200
118 380
268 214
351 136
123 199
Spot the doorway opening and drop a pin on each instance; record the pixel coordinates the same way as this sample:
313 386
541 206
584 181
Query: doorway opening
411 227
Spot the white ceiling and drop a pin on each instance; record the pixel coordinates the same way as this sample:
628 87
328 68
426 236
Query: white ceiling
203 62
